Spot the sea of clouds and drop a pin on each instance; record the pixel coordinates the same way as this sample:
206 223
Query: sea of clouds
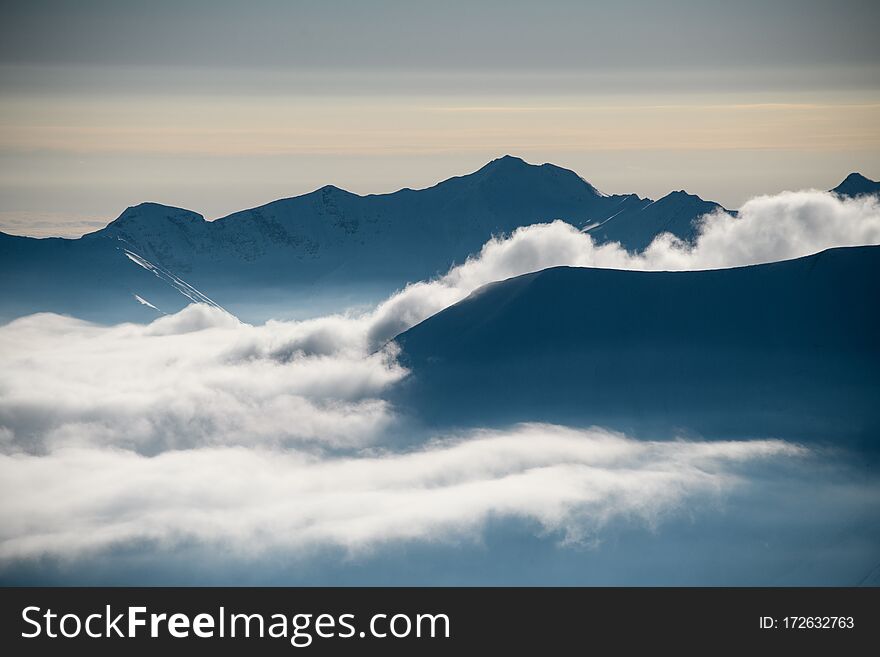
568 481
201 427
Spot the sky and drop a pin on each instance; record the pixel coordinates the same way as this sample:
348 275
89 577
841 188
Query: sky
220 106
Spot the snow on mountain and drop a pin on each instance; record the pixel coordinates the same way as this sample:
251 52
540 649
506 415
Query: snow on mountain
636 225
161 233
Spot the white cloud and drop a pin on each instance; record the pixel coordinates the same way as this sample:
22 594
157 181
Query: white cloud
199 377
200 426
767 229
771 228
79 500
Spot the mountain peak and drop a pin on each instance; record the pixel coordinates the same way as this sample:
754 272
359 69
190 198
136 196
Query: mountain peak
516 170
506 163
153 209
151 214
683 196
855 184
332 189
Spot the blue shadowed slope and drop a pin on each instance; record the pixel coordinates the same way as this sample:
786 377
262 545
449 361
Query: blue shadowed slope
789 349
639 223
855 184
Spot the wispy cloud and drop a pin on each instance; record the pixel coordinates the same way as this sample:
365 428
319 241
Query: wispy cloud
81 500
396 123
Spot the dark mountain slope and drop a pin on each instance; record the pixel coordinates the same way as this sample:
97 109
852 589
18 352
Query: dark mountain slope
789 349
855 184
639 223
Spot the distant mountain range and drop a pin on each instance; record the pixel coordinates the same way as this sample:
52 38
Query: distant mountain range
785 350
330 246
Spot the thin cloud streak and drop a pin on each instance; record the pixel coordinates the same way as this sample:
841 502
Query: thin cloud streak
267 125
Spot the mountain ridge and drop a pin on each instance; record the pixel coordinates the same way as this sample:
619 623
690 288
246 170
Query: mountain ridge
853 184
359 248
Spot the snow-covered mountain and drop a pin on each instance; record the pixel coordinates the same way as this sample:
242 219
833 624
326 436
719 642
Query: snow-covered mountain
786 350
324 250
641 220
332 232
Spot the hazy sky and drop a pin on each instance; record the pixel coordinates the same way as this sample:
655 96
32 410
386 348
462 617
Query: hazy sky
217 106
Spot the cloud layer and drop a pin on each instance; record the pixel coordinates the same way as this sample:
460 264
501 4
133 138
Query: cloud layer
196 378
81 500
200 427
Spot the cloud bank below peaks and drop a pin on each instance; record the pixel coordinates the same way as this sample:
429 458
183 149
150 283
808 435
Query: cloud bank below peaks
198 426
78 501
196 378
766 229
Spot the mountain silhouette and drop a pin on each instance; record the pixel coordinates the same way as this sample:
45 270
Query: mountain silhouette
786 350
322 251
641 220
855 184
